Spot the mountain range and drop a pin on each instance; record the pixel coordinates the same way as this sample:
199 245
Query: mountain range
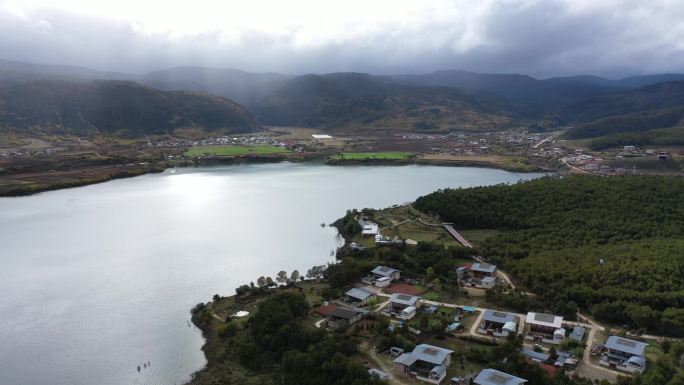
438 101
115 107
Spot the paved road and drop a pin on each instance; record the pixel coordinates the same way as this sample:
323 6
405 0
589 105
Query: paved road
542 142
574 168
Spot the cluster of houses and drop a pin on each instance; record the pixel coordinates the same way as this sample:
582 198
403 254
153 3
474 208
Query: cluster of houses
430 364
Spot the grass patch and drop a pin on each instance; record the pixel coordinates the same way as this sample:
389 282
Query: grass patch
478 236
431 296
372 156
230 150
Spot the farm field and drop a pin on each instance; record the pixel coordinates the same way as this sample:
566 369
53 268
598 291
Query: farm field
232 150
399 155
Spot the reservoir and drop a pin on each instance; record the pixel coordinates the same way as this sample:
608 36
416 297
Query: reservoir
97 280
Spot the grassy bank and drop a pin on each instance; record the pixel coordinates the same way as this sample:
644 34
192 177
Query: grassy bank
508 163
13 186
232 150
370 156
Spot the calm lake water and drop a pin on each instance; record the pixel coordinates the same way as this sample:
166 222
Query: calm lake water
96 280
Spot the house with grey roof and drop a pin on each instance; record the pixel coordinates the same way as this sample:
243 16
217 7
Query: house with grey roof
358 296
479 274
496 377
343 317
624 354
547 328
399 302
498 323
386 272
425 363
483 269
578 333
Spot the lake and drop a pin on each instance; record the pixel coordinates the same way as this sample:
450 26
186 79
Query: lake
98 279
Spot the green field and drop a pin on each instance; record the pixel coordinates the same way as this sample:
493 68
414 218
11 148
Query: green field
231 150
372 155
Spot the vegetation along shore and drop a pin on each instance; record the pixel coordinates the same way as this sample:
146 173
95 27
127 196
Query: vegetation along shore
562 246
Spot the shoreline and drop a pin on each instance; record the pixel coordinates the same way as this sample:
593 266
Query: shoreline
30 189
440 163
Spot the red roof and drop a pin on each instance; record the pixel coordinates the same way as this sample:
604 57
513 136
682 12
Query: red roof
403 288
325 311
549 368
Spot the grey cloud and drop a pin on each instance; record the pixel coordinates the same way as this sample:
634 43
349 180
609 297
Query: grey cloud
542 38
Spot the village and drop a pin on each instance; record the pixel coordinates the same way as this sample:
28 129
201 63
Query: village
548 340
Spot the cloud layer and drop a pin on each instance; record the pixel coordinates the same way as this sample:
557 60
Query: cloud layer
539 37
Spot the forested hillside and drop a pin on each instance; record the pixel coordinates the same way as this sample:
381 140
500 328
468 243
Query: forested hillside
115 107
526 92
633 122
246 88
672 136
556 230
649 98
352 100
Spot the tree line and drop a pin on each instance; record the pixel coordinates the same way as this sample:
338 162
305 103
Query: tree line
612 246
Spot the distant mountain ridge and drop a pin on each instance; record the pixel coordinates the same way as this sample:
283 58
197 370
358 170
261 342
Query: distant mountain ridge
641 109
355 100
246 88
525 91
116 107
438 101
243 87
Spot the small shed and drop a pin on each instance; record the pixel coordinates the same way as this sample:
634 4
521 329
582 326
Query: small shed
359 296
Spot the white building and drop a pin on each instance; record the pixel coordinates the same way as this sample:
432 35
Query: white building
544 328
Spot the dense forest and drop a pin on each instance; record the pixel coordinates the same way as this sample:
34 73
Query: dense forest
612 246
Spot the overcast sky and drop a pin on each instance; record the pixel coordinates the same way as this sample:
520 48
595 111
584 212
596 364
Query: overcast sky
538 37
